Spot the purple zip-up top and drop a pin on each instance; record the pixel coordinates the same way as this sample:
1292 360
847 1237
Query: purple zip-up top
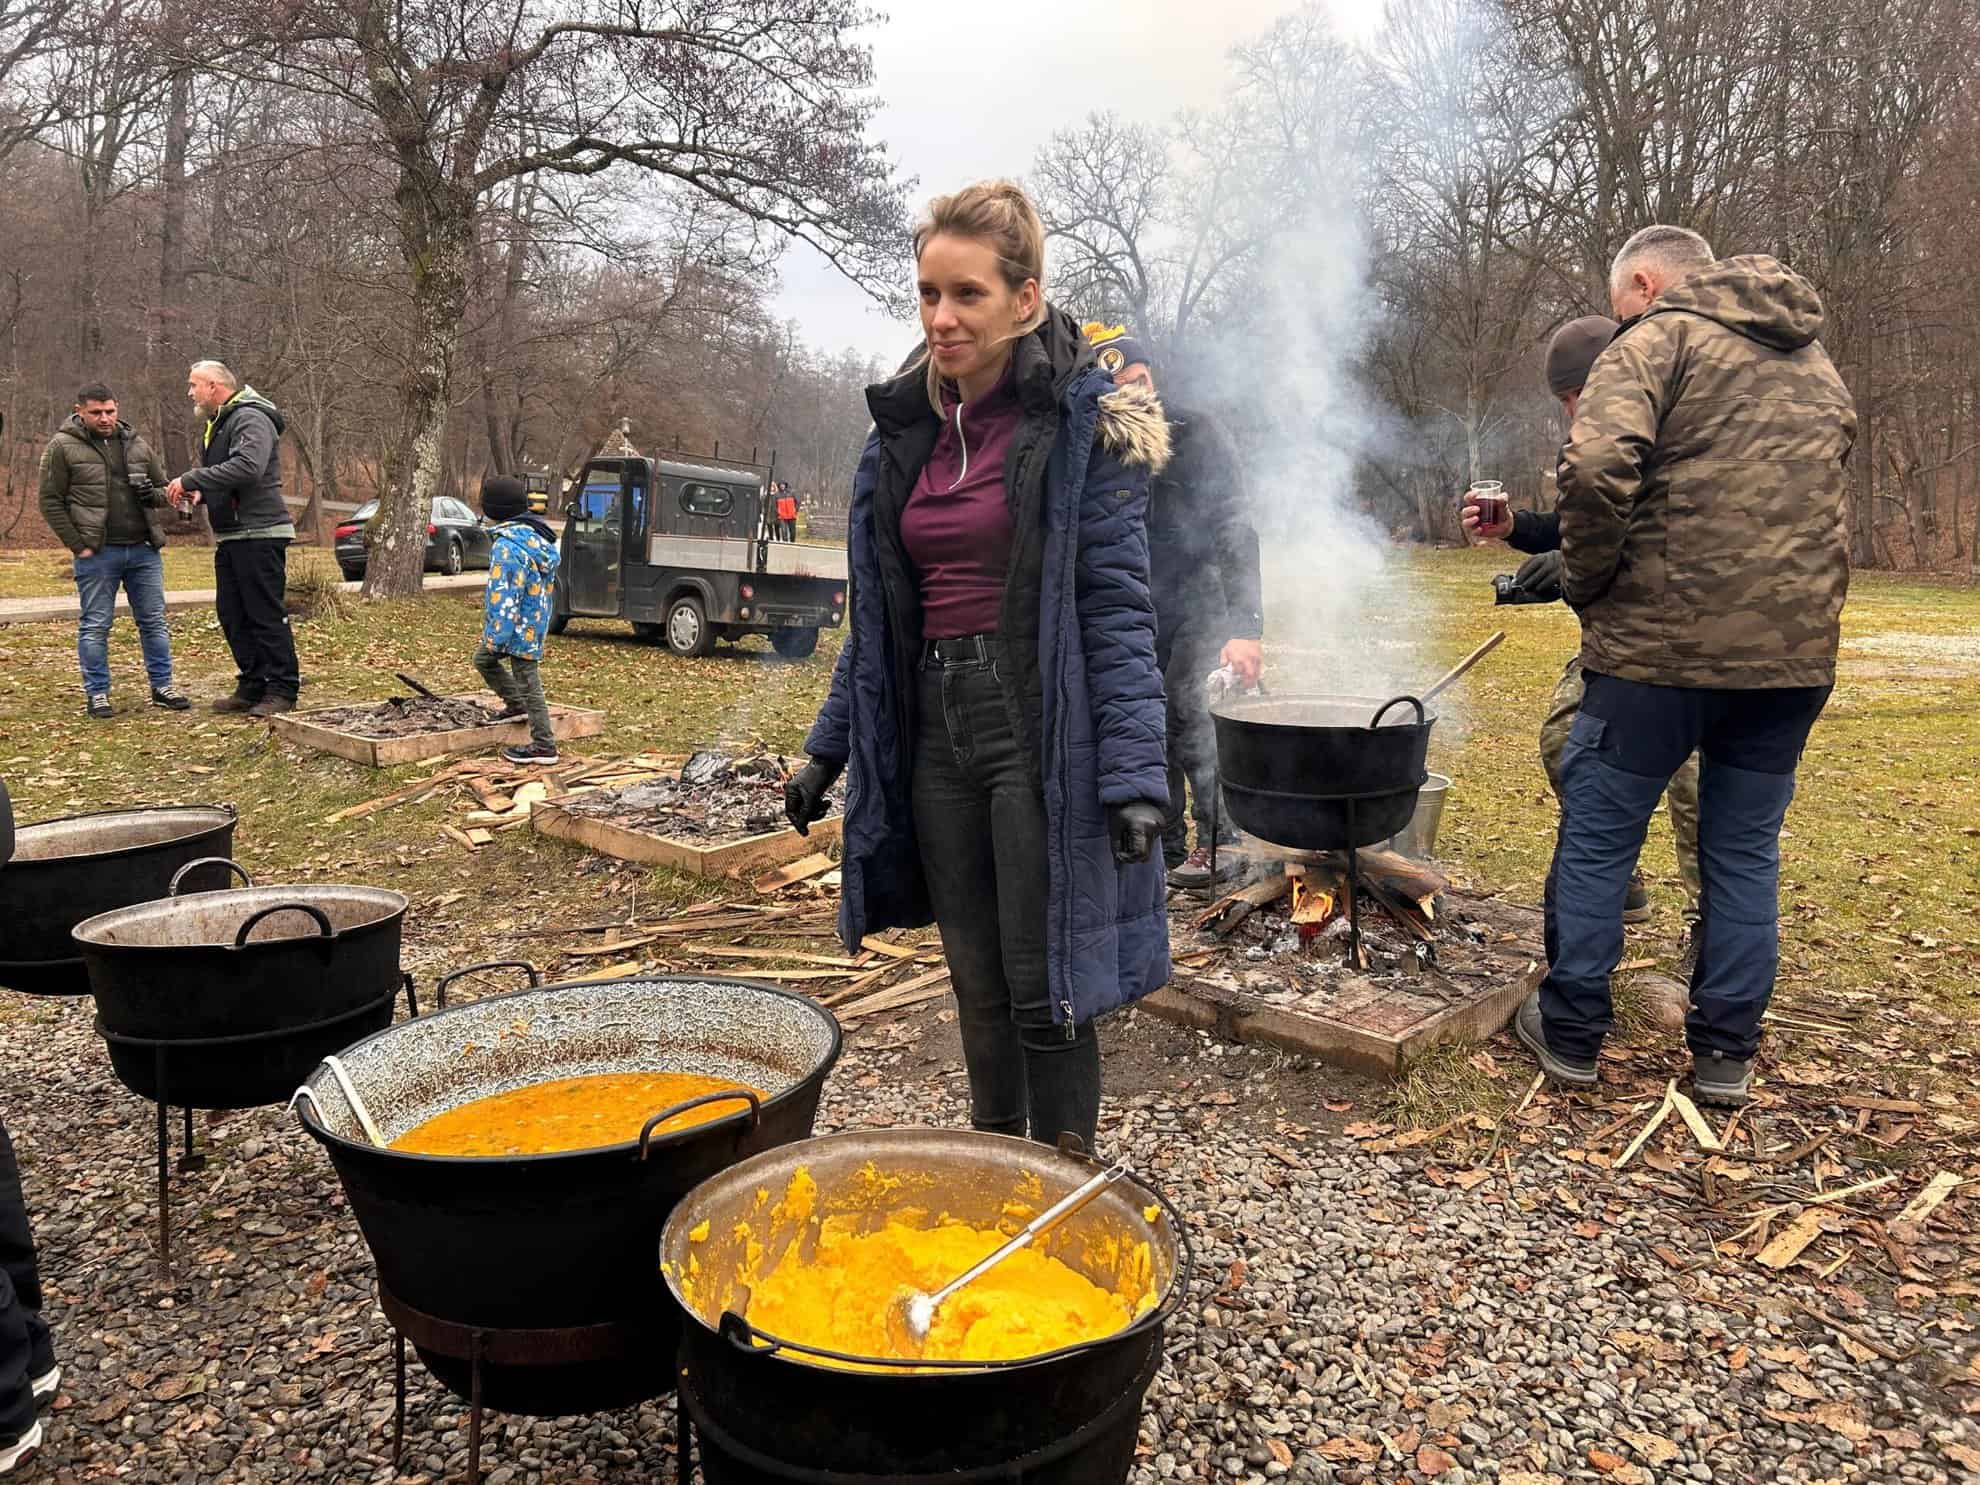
956 528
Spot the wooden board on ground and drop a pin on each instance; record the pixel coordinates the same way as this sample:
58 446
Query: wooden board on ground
1372 1028
567 722
695 857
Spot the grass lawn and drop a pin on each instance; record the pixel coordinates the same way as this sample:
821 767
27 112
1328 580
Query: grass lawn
46 572
1881 888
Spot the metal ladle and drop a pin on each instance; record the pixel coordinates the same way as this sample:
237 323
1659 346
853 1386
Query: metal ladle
912 1312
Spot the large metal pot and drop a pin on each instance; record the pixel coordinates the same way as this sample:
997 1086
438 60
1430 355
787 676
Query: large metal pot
225 1000
559 1246
72 868
1322 773
765 1412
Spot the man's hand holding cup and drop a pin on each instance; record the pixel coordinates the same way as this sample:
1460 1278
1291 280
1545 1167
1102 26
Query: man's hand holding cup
1487 512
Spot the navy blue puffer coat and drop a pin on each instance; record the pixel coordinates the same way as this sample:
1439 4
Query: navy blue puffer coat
1079 640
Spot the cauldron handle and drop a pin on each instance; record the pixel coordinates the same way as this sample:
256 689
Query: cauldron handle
727 1094
172 890
440 989
1382 710
322 921
739 1333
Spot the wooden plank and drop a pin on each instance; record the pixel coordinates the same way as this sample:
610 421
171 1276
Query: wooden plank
648 849
458 837
1695 1122
897 997
722 951
1787 1244
567 723
1910 1223
1232 909
1656 1122
803 869
893 951
397 796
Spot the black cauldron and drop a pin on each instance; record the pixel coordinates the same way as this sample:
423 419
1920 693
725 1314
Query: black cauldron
226 1000
78 866
1322 773
764 1412
543 1266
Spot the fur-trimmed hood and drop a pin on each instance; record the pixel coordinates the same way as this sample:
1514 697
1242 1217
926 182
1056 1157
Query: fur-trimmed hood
1134 427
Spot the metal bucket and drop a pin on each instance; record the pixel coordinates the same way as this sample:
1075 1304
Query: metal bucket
1418 839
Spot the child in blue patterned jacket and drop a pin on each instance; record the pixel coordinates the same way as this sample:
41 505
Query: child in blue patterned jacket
522 568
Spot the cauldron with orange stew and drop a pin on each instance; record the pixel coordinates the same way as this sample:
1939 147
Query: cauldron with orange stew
543 1243
784 1265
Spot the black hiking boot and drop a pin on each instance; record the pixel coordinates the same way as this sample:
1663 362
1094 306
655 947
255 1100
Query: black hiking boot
1569 1072
1636 901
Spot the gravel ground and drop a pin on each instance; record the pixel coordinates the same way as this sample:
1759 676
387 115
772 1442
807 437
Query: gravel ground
1357 1316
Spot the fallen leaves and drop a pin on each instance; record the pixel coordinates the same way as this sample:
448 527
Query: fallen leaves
1654 1448
1434 1461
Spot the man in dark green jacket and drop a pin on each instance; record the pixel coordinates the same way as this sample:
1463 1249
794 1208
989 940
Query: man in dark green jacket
100 494
1702 544
239 481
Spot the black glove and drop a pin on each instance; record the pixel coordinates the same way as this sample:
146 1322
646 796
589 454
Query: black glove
804 792
1134 828
1537 581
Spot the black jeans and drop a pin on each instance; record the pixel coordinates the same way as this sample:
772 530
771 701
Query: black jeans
250 579
979 815
1626 742
25 1347
1186 658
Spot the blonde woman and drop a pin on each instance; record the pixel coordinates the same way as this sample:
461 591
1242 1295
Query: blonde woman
997 709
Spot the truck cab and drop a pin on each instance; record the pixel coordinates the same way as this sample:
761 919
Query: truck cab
681 550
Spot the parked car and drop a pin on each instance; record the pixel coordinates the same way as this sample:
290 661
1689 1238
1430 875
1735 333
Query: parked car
455 539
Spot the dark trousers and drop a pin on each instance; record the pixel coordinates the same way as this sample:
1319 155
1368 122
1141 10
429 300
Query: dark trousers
1186 658
979 815
26 1349
250 579
1625 744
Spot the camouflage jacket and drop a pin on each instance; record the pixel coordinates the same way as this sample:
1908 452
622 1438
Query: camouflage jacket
1702 486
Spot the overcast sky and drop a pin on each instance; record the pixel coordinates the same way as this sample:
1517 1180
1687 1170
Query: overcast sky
974 90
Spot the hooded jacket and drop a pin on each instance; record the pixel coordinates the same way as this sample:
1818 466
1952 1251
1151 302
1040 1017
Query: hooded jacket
240 474
522 570
1077 663
79 471
1702 488
1202 548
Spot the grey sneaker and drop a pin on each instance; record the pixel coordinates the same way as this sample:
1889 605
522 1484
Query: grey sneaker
1721 1080
531 753
171 698
1570 1072
272 705
44 1386
100 708
1636 901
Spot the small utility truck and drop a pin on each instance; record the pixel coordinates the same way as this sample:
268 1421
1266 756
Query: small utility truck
681 549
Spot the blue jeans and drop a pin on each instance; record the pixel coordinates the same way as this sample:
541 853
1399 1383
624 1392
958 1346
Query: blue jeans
136 568
1627 741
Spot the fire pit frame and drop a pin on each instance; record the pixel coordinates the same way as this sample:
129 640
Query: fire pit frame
566 722
682 853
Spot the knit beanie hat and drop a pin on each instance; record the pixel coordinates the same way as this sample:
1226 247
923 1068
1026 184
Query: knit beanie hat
1571 353
503 498
1114 347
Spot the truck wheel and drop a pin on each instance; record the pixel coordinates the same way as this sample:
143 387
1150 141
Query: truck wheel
794 644
688 634
650 634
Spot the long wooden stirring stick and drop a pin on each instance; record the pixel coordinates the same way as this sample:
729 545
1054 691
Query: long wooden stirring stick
1465 664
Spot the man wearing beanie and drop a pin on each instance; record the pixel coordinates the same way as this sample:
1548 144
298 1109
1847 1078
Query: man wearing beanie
1203 576
1570 357
522 569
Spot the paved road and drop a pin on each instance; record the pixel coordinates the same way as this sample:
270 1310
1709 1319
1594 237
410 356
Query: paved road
51 610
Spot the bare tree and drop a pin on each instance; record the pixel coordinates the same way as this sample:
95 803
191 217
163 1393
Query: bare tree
758 104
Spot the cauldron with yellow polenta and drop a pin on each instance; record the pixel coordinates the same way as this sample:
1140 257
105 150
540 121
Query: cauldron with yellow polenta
527 1251
786 1264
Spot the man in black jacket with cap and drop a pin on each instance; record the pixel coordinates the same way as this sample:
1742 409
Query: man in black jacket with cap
1571 356
1209 612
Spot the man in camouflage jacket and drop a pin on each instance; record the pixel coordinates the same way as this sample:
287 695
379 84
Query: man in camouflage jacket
1701 505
